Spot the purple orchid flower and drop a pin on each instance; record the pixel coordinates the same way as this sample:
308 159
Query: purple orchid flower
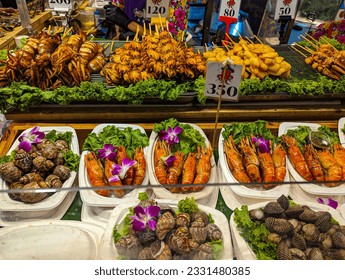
170 135
145 216
108 152
119 171
169 160
262 144
327 201
33 137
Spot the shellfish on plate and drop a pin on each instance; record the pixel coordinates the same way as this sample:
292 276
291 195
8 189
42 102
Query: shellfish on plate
302 232
9 204
109 251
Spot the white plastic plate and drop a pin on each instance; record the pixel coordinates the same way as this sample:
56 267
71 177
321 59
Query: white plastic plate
90 197
310 188
249 192
107 247
51 240
8 204
162 192
241 248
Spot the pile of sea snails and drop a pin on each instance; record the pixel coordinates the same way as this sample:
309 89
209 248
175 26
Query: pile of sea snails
300 232
41 167
177 236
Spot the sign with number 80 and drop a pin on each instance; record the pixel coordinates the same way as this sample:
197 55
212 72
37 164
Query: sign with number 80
230 8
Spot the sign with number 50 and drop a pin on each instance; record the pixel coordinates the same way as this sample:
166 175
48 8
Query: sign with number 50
286 8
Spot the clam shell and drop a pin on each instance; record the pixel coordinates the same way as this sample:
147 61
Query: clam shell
273 209
308 216
325 241
311 233
338 240
283 202
297 225
274 237
334 254
315 254
294 211
298 241
297 254
280 226
323 221
283 252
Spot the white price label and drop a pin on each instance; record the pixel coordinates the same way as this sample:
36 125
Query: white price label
286 8
155 8
214 80
60 4
230 8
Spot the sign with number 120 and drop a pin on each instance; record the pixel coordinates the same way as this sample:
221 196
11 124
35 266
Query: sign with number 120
285 8
214 86
156 8
229 8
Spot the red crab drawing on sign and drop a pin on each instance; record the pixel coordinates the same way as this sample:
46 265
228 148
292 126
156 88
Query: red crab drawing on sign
231 3
287 2
156 2
228 74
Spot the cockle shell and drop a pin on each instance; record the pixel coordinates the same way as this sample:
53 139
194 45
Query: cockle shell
283 202
182 219
280 226
274 237
273 209
298 241
338 240
283 252
165 223
213 232
256 214
23 160
53 181
297 254
294 211
129 246
315 254
297 225
9 172
311 233
325 241
32 197
323 221
334 254
62 171
308 216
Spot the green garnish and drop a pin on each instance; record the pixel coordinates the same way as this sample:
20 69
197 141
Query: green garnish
129 138
72 160
188 205
189 139
217 248
54 136
142 196
255 235
8 158
331 134
120 232
239 130
210 219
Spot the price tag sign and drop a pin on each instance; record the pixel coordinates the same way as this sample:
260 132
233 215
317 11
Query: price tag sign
229 8
154 8
214 80
61 5
286 8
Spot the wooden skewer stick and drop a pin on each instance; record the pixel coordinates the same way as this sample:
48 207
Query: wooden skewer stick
111 47
127 39
257 38
49 27
68 31
136 34
297 50
312 38
230 39
227 43
206 47
160 21
250 41
326 42
150 30
106 46
91 39
305 48
182 36
92 29
58 31
144 33
310 42
167 23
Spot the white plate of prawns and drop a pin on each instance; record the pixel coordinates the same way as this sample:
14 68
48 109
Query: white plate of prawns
106 197
321 173
204 156
228 150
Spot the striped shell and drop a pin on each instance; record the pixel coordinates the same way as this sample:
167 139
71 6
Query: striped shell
128 245
179 243
323 221
283 202
9 172
280 226
294 211
308 216
204 252
298 241
23 160
61 145
283 252
160 250
32 197
200 215
273 209
62 171
165 223
53 181
182 219
315 254
15 185
145 254
198 234
31 177
338 240
213 232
